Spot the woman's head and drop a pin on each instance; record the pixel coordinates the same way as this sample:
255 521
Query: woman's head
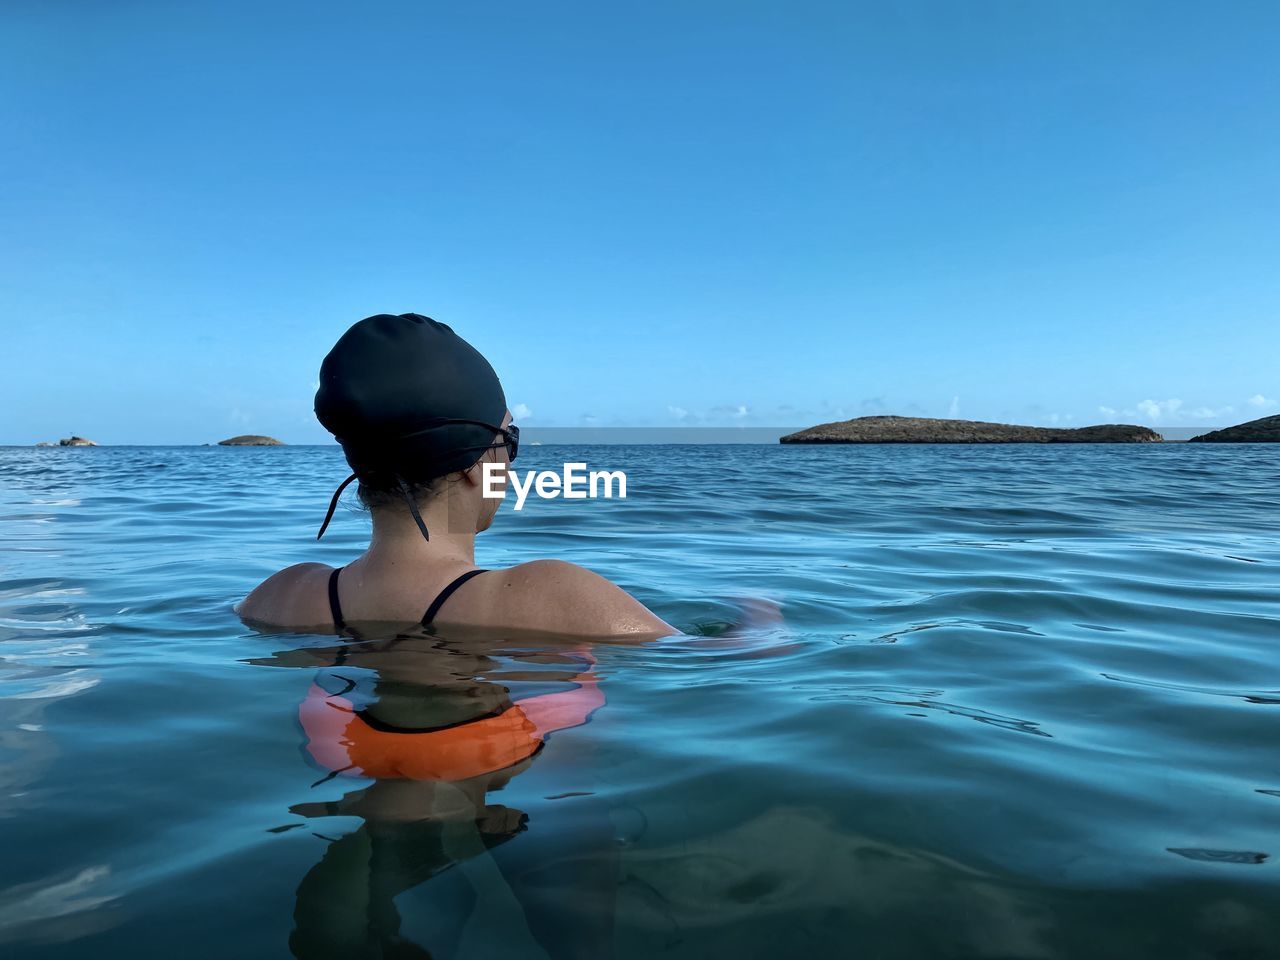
412 404
463 488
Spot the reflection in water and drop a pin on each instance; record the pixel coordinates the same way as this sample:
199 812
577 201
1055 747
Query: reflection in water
44 633
798 869
424 719
61 907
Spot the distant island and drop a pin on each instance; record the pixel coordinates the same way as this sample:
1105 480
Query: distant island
68 442
888 429
251 440
1262 430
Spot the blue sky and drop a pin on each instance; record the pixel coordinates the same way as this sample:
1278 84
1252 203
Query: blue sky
644 214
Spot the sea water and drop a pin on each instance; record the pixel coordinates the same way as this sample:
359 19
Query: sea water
1020 701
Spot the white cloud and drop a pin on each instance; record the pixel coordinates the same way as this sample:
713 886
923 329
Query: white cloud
1108 411
953 411
1155 409
1209 413
680 413
521 412
726 411
1258 400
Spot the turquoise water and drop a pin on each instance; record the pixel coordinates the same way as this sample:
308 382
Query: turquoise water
1024 702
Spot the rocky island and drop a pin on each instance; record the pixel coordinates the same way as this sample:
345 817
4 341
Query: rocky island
251 440
68 442
888 429
1262 430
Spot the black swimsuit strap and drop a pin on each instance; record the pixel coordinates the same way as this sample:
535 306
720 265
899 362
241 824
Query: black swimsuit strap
335 608
445 594
385 727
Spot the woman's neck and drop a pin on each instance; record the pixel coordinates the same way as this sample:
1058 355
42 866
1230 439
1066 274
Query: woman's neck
397 539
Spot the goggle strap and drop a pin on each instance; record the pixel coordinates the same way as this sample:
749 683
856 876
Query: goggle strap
333 505
413 505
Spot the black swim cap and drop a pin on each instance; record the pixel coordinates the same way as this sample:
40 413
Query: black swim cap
387 385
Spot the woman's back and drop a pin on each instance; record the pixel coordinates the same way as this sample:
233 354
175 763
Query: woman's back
543 596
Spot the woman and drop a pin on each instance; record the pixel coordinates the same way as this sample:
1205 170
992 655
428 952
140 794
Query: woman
418 412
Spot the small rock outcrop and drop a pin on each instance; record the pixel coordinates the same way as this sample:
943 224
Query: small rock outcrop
929 430
76 442
1262 430
251 440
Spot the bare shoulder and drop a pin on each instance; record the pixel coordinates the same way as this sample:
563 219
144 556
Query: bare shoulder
287 597
562 597
560 577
